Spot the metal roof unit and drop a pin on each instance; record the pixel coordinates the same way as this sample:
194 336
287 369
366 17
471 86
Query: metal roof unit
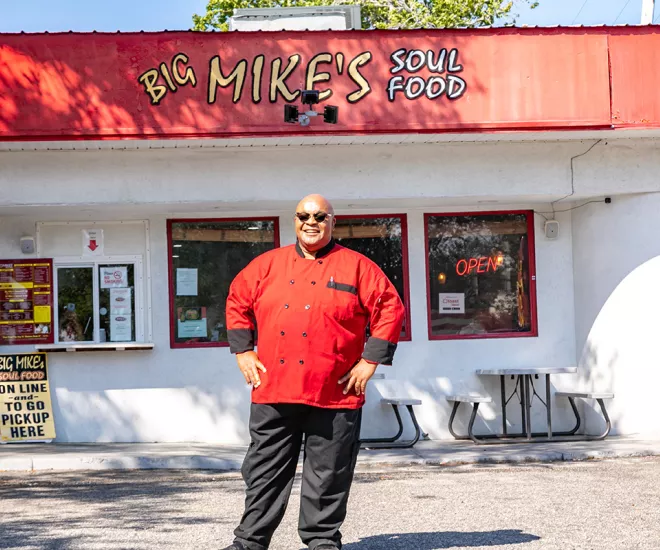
303 18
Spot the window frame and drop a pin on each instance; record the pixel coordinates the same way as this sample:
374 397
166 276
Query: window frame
94 263
403 218
170 267
531 251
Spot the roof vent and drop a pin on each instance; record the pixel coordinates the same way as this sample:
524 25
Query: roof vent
316 18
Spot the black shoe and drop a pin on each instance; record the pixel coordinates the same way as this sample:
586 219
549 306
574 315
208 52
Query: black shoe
235 546
326 546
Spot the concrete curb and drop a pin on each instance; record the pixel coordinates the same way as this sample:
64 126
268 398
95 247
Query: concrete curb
129 463
229 459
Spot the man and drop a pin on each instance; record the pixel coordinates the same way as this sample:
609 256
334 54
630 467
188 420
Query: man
311 303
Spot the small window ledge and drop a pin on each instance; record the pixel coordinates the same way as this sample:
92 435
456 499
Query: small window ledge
116 346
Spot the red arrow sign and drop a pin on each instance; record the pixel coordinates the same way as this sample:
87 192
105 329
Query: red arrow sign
92 245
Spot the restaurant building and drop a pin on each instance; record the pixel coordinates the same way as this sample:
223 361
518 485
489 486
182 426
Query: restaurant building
507 180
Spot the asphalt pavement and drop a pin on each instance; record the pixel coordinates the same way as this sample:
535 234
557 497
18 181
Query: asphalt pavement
598 504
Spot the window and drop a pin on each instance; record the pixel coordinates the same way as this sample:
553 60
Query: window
96 301
384 240
481 280
205 257
75 304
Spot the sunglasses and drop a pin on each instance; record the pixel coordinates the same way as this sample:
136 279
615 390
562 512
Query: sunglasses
320 217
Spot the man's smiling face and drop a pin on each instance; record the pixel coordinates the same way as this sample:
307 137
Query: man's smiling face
313 234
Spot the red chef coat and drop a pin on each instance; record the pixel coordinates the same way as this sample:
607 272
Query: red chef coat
312 317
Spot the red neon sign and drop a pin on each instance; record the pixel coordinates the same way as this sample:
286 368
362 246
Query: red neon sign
484 264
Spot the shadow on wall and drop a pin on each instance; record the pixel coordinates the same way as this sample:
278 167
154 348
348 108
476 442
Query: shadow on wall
621 354
160 396
160 415
598 376
448 539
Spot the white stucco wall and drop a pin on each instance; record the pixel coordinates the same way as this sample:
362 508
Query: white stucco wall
617 300
199 395
275 176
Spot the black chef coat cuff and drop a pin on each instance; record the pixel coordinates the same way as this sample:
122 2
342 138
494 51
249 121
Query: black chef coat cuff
240 340
379 351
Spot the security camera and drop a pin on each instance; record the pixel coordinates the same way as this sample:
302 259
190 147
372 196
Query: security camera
290 114
331 114
310 97
293 114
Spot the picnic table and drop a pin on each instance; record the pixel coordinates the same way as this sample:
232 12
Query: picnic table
524 378
525 390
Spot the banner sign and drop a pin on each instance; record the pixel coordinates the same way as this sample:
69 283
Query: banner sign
26 413
191 84
26 301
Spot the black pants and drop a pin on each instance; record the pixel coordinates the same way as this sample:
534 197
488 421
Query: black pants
331 449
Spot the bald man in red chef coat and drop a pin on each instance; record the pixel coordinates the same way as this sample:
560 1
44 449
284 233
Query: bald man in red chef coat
311 303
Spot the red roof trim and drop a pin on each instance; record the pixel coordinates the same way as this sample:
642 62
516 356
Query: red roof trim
538 30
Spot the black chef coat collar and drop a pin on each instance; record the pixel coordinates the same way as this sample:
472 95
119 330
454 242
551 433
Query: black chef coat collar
322 252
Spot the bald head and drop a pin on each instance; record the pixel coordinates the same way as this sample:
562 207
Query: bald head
315 203
312 234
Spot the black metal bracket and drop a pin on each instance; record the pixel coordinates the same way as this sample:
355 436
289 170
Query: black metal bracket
393 442
608 422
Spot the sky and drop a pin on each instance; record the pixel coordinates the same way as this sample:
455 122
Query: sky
154 15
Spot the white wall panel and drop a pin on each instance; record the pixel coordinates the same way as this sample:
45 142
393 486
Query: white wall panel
199 395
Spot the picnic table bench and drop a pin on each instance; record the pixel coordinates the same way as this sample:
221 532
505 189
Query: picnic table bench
475 401
599 397
526 392
395 441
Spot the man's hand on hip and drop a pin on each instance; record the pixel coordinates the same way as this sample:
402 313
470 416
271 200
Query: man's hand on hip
358 377
249 363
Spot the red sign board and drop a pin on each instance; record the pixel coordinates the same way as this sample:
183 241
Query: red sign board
26 301
635 59
185 84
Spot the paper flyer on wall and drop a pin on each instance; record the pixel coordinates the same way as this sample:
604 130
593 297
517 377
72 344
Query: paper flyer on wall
121 315
186 282
114 276
452 302
191 322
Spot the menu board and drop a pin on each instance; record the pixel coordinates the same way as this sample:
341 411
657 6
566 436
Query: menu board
26 301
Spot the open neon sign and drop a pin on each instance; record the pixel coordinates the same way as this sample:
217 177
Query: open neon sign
484 264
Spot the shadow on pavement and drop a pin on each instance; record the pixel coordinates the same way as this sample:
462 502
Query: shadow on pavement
77 510
447 539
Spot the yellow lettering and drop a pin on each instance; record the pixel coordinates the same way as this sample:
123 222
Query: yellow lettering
277 79
182 78
257 73
30 361
217 78
356 76
168 78
313 76
339 60
149 80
